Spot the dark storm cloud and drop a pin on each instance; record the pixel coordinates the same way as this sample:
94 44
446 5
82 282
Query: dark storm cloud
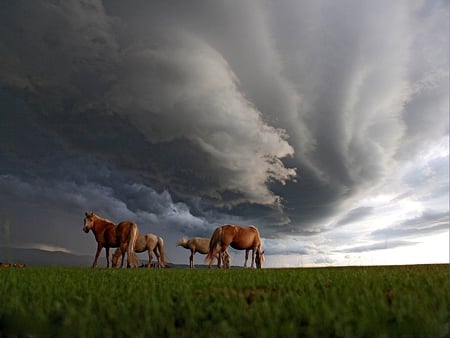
170 89
184 116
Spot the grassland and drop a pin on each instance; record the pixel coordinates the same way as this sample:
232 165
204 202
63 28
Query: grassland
397 301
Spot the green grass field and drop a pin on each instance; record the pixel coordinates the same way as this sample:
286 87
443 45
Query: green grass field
396 301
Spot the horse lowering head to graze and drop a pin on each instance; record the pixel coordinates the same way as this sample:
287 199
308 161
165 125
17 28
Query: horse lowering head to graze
200 245
108 235
150 243
238 237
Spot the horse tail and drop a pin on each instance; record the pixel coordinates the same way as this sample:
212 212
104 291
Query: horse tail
214 245
162 253
131 255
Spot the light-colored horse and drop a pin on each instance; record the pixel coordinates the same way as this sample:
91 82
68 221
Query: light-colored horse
201 245
108 235
238 237
147 242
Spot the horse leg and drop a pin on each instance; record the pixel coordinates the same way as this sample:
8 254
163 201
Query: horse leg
150 258
253 258
246 258
107 256
99 249
123 259
191 260
218 260
158 257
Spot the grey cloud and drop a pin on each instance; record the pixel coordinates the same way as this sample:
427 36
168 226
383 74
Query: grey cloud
209 111
352 103
168 88
355 215
287 247
427 223
377 246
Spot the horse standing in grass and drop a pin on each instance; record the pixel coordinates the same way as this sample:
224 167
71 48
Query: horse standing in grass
240 238
201 245
108 235
147 242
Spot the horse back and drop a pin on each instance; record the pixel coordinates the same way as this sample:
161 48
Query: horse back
245 237
199 244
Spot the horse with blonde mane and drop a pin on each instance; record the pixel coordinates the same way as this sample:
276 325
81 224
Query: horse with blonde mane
108 235
147 242
238 237
201 245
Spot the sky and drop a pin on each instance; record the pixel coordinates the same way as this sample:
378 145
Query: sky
323 123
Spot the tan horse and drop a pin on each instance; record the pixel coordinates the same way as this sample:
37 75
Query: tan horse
240 238
201 245
147 242
108 235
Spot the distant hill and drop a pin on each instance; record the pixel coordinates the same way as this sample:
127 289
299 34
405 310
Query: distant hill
36 257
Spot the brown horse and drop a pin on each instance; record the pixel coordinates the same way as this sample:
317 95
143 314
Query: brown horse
147 242
108 235
240 238
201 245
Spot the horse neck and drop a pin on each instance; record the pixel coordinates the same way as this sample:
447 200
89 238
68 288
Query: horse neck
100 225
184 243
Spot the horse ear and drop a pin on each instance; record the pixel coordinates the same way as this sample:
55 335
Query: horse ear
86 214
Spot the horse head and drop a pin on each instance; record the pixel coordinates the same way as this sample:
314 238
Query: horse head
115 259
259 258
88 222
182 242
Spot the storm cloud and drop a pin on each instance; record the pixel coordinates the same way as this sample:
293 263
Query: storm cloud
294 116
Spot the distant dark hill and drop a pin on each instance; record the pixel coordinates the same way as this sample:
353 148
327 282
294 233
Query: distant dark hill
36 257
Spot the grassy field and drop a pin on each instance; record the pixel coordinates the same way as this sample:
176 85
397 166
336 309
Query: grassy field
397 301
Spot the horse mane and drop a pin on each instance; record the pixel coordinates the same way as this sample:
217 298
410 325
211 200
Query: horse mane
102 218
182 241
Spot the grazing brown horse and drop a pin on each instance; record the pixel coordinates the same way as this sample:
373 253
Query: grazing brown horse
5 265
108 235
240 238
147 242
201 245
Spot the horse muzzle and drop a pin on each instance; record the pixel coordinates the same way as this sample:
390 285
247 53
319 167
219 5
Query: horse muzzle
86 229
